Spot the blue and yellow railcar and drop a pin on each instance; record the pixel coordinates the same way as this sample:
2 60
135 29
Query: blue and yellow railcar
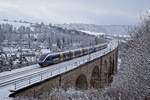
50 59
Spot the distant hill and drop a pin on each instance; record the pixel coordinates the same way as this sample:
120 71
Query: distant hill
39 35
108 29
15 23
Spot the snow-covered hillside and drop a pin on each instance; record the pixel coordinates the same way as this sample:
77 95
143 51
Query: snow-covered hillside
93 33
108 29
15 23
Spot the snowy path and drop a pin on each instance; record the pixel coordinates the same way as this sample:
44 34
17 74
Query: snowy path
21 78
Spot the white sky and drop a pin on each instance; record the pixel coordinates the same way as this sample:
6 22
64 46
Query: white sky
75 11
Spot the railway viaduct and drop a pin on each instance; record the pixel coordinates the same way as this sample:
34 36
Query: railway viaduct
96 73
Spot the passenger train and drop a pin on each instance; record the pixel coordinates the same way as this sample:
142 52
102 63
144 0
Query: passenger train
50 59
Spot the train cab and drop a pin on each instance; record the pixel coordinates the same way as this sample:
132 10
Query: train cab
42 59
48 59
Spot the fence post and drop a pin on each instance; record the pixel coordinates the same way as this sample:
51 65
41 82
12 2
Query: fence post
51 73
41 76
15 85
66 68
59 70
29 81
76 63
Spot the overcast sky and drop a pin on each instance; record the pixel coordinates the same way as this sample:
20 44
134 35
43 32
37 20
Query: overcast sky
75 11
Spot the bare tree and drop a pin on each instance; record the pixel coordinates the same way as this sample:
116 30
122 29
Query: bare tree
133 78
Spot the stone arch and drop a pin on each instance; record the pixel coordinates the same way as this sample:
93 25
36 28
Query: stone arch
106 71
81 82
110 67
110 70
113 66
105 66
95 78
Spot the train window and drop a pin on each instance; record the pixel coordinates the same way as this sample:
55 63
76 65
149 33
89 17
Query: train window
66 55
71 54
91 50
86 51
77 53
42 57
55 57
49 58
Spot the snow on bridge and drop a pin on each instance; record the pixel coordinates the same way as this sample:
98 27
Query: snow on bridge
20 78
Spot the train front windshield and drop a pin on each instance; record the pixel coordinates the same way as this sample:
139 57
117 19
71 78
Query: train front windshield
42 57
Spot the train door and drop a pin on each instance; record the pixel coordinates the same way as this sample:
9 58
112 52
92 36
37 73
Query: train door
61 56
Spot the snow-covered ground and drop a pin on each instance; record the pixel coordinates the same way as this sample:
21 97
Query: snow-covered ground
4 92
45 51
121 35
33 75
15 24
92 33
108 35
